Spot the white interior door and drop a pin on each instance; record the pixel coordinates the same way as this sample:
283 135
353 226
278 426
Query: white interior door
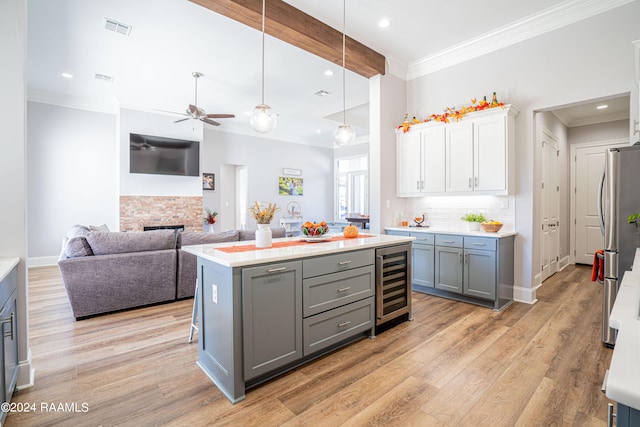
550 207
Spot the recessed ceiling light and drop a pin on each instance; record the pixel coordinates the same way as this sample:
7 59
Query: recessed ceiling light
384 23
328 73
318 131
602 107
67 75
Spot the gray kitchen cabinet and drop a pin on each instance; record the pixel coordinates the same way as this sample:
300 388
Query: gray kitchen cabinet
466 267
338 298
626 416
8 323
423 259
448 263
272 317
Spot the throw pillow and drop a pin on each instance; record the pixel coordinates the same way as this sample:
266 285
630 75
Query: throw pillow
102 227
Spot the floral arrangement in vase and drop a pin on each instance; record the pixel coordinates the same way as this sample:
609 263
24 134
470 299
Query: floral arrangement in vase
210 216
263 215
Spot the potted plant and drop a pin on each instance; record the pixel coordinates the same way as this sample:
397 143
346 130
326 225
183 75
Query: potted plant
474 220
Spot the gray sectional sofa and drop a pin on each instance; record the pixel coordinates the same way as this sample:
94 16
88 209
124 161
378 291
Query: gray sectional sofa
109 271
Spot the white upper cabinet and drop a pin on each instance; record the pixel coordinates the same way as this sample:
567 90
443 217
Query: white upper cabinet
474 156
421 161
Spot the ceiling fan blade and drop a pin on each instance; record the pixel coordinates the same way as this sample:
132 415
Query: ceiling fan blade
181 120
221 116
211 122
193 110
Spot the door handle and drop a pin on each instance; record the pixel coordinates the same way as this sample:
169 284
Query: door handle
600 206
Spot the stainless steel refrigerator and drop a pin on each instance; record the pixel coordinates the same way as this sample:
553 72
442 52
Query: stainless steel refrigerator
619 197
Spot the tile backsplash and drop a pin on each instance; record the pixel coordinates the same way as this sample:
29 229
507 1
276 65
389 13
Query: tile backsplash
446 211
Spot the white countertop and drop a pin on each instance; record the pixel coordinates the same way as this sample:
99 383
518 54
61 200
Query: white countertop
6 265
623 381
259 256
456 231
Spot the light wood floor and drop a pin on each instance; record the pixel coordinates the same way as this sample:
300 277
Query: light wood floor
454 364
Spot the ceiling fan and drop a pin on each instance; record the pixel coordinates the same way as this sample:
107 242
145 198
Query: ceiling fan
194 112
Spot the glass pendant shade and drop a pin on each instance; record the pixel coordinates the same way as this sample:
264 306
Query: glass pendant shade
344 135
263 118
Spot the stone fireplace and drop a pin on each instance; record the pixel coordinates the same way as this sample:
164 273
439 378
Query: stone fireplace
136 212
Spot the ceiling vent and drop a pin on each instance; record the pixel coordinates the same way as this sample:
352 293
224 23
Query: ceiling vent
321 92
103 77
117 27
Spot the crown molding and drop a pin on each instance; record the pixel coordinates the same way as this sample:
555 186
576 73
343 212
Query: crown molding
550 19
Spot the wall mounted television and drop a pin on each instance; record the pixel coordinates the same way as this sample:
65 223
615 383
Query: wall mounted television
165 156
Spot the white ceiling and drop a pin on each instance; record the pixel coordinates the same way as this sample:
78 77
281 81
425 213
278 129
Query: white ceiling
172 38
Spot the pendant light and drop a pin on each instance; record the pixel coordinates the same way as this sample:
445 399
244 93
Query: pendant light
262 118
344 134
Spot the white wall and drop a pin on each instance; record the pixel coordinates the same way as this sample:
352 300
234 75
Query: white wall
13 164
564 66
599 132
72 179
265 159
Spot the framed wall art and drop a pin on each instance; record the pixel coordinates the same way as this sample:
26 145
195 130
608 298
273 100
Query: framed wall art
289 186
208 181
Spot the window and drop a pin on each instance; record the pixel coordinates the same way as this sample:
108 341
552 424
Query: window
352 186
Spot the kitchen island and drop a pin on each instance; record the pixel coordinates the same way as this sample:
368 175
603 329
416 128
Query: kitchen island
262 312
623 379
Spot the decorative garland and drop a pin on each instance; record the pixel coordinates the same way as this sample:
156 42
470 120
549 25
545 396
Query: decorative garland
452 113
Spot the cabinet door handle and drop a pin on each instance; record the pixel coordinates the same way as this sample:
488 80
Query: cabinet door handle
344 289
275 270
476 181
417 185
470 183
344 262
460 258
10 321
478 244
466 258
342 324
610 415
422 185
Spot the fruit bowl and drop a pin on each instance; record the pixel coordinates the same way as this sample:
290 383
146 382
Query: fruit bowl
318 229
491 227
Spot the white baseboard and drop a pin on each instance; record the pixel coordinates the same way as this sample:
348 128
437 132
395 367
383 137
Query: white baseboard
26 373
525 295
42 261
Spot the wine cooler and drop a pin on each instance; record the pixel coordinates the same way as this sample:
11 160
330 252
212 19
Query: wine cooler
393 282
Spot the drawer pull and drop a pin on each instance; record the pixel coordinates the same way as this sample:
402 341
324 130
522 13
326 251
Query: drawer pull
448 241
275 270
344 262
342 324
344 289
10 322
478 244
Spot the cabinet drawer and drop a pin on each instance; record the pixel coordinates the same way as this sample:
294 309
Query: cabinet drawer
486 243
423 238
397 233
331 327
326 292
338 262
449 240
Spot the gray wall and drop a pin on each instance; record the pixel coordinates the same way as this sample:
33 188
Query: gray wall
565 66
72 175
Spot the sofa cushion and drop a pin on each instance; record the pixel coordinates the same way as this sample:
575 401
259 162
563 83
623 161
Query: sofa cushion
186 238
251 234
103 243
75 242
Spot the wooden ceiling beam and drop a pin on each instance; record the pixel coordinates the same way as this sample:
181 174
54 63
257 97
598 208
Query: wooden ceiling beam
295 27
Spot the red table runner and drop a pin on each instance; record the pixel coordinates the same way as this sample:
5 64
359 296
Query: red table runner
276 245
